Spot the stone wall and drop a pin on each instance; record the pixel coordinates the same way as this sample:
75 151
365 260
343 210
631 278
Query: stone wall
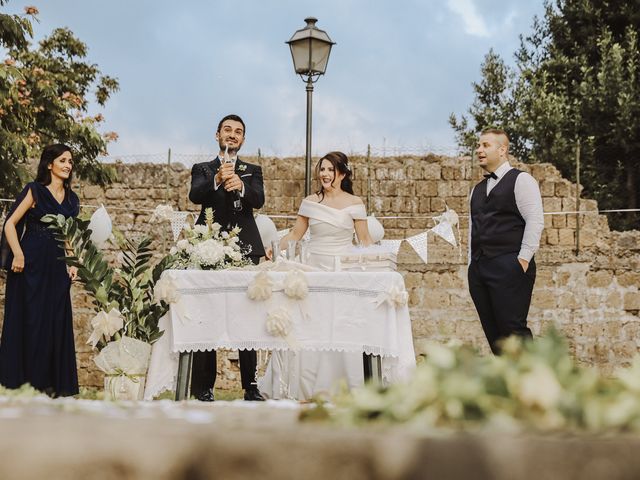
591 294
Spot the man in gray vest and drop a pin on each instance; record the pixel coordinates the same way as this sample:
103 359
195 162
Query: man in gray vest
506 221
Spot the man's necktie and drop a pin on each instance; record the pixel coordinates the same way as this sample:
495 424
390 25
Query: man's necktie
491 175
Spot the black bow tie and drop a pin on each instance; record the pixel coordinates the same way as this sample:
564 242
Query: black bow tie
491 175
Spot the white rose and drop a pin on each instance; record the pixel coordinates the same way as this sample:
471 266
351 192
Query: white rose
539 387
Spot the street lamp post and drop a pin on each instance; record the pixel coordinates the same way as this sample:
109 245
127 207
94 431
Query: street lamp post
310 49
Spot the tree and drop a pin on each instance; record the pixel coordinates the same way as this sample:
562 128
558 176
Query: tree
44 98
575 79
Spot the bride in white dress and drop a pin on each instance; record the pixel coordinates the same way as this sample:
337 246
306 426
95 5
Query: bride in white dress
331 215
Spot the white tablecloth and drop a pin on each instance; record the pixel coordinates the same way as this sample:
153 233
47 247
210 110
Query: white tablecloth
344 311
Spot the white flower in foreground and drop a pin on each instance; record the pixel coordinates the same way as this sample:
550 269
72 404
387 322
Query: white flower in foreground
295 285
162 213
105 325
279 322
439 355
539 388
260 288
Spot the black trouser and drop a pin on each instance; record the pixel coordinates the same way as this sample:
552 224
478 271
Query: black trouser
204 366
203 370
501 292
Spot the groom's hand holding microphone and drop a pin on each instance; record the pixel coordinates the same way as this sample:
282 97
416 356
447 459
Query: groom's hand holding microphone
232 183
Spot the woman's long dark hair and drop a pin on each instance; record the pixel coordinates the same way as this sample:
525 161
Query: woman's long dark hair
340 164
49 154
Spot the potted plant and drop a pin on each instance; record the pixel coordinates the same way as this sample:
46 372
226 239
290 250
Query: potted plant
127 314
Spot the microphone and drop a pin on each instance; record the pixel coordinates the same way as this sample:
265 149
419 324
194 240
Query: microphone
237 200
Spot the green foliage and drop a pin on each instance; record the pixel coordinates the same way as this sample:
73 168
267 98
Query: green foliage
575 78
128 289
44 98
532 385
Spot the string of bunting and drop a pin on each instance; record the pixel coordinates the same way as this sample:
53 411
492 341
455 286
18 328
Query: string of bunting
447 225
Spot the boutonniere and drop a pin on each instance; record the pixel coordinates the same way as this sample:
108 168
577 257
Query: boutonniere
242 168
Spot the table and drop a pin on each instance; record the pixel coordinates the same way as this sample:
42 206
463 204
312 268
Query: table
344 311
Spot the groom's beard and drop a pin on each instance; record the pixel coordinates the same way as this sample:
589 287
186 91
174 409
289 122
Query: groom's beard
233 150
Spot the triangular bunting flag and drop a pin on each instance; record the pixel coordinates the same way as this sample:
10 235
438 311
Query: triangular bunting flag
177 223
419 244
393 246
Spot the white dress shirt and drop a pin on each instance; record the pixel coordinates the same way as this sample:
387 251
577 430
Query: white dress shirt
215 182
529 203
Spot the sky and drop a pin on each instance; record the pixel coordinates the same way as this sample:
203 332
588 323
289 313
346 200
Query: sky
398 69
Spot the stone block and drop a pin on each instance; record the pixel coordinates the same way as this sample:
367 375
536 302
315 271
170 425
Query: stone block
551 204
547 188
90 192
448 172
625 349
435 299
568 204
629 279
564 188
566 237
552 237
444 189
413 280
114 194
437 205
567 300
543 298
559 221
632 301
460 188
544 278
588 238
599 279
431 171
428 188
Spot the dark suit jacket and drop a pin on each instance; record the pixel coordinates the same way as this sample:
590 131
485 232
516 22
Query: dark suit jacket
202 193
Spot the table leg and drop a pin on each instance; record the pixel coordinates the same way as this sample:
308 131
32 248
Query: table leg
372 368
184 376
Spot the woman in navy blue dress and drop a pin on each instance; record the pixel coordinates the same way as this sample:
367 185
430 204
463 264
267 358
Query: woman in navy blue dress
37 345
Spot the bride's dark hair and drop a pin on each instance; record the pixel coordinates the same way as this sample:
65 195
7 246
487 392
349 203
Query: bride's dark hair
340 164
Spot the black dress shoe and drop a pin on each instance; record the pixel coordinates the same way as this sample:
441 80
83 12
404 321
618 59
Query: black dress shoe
253 395
206 396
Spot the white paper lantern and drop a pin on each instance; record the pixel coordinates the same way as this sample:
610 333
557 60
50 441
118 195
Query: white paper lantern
376 230
100 226
267 229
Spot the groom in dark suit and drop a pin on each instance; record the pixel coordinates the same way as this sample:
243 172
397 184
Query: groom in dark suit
232 189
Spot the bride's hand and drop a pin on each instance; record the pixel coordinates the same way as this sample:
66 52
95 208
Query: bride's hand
268 253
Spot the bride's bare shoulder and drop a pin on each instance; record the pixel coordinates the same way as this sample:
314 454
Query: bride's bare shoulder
313 198
355 200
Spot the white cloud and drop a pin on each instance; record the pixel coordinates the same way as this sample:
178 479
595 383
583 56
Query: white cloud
472 21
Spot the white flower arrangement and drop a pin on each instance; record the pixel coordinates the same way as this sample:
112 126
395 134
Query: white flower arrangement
533 385
279 322
261 287
296 285
206 247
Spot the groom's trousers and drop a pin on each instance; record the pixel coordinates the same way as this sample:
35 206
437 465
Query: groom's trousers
501 292
204 366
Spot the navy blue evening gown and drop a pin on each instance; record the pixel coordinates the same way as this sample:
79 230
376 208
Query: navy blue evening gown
37 345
